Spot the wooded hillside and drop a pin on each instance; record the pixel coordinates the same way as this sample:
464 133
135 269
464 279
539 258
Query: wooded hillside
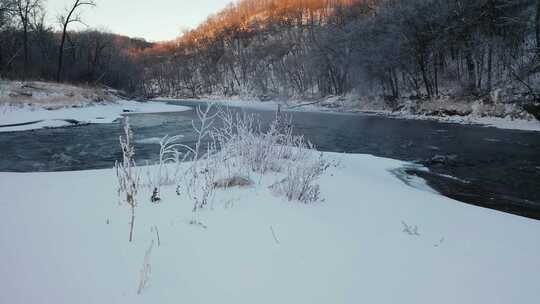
418 49
302 48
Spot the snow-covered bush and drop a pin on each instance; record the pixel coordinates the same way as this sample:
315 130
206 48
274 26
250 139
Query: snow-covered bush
241 140
127 174
300 177
245 148
231 154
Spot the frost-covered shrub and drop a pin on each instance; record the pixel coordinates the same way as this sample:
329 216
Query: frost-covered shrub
300 177
242 141
239 148
275 150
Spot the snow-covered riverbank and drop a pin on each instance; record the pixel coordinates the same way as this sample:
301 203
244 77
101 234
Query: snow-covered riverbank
36 104
21 118
496 122
53 95
373 239
336 105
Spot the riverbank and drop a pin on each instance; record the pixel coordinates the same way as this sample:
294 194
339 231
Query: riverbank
36 105
53 95
372 239
499 115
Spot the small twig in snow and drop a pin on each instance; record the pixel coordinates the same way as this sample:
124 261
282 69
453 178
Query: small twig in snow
157 235
274 235
146 270
410 230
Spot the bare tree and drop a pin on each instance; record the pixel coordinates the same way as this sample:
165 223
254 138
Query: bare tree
6 10
71 17
25 10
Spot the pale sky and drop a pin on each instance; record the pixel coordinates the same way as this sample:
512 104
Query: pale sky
154 20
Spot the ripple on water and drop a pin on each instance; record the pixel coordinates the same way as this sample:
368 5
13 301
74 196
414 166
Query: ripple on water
150 140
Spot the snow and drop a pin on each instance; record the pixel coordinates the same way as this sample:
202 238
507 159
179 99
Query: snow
64 239
93 113
149 140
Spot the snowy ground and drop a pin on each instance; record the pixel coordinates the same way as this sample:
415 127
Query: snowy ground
36 117
64 239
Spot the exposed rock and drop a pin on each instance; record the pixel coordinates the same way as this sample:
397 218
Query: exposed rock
533 109
235 181
440 159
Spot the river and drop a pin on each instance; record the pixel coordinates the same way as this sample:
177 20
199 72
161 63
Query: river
485 166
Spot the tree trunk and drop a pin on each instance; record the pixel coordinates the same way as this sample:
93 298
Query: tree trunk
471 69
65 23
396 83
422 65
1 61
25 48
459 62
61 55
538 27
435 76
490 67
480 70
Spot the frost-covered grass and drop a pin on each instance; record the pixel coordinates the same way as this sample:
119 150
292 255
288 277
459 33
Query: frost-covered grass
365 237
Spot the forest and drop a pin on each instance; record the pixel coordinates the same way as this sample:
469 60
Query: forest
296 49
32 49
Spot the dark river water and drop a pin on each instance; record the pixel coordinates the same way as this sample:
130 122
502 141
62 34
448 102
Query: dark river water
489 167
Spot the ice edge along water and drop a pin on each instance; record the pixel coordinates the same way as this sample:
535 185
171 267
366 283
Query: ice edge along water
31 118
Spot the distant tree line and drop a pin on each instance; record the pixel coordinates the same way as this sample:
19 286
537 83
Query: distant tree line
333 47
31 49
